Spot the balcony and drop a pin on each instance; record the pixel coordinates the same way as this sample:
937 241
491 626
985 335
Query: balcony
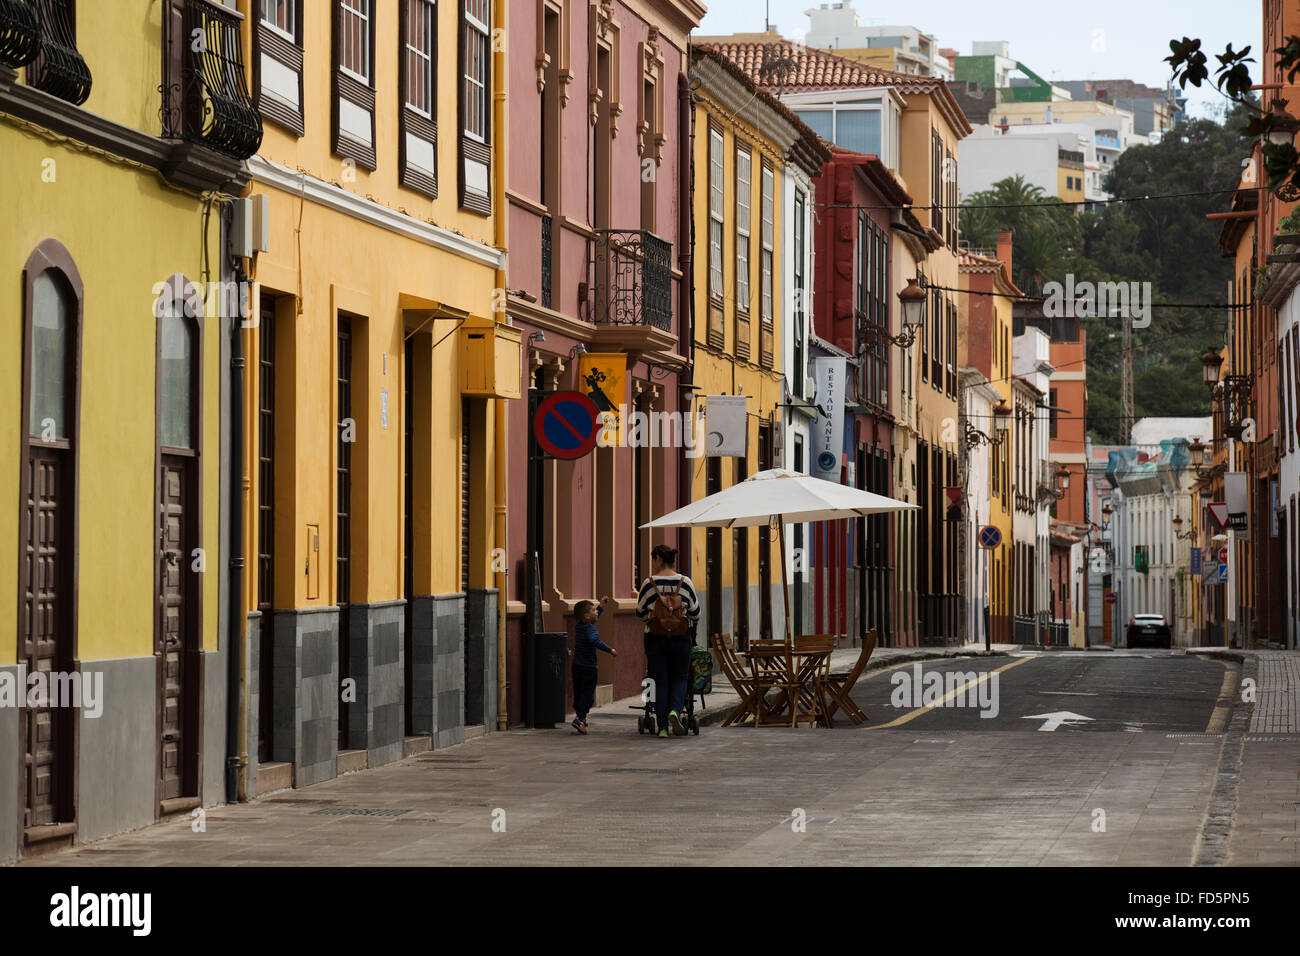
57 68
205 99
20 33
631 295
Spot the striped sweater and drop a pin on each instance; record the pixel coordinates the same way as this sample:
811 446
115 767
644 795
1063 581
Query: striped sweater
668 584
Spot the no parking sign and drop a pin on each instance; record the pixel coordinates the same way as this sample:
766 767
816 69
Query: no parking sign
566 425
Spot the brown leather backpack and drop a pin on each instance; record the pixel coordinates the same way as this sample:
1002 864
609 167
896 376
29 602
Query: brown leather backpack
668 616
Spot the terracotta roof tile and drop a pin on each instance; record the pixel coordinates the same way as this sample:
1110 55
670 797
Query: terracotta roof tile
781 65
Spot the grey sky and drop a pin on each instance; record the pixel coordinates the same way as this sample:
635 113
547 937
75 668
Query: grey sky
1125 39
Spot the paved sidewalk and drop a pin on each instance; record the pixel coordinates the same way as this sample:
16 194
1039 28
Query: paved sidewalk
723 798
1277 705
1266 825
724 699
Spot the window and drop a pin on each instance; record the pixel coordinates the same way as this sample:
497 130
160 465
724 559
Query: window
417 50
281 16
354 38
176 351
1052 401
277 64
52 310
936 180
797 374
417 120
715 213
353 113
769 214
1295 380
476 156
744 186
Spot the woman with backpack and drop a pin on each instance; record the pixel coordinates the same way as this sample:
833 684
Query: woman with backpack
668 606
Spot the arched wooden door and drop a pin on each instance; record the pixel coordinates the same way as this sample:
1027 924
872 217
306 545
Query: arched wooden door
47 585
180 559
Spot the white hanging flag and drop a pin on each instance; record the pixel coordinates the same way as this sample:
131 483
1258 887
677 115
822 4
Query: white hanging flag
828 433
1235 493
726 426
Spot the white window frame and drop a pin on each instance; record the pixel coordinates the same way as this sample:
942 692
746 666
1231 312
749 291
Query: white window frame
354 9
483 35
291 11
768 242
744 202
420 57
717 196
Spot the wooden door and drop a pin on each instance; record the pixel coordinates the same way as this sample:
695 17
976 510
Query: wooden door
45 632
174 636
266 528
343 520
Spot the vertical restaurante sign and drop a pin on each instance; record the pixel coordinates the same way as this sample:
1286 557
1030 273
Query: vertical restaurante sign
828 436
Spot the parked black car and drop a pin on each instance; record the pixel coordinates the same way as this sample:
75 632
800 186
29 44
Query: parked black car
1149 630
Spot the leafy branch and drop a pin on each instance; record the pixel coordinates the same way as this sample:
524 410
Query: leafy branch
1232 78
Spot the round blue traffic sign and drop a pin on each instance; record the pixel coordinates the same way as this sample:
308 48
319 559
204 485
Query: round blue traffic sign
990 537
566 425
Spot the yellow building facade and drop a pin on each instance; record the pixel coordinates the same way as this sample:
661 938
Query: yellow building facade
119 199
930 128
372 396
744 143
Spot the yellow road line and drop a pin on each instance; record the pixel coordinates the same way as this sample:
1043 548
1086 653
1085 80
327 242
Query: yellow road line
913 714
1227 693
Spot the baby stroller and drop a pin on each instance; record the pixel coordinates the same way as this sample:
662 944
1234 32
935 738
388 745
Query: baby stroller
699 681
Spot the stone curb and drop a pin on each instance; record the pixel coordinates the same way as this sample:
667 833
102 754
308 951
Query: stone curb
1212 848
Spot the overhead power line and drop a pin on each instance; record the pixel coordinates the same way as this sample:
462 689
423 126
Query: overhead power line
1059 204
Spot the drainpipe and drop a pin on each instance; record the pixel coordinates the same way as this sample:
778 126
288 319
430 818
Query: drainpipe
686 290
502 448
236 759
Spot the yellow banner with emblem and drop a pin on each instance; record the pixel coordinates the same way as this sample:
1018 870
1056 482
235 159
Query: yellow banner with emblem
602 377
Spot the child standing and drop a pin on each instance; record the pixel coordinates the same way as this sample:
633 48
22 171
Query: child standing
586 642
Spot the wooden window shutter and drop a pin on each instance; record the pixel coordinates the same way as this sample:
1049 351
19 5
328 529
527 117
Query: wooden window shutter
277 70
352 113
417 133
474 139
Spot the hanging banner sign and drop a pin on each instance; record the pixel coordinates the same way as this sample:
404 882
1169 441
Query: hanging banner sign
601 377
1234 493
828 433
726 426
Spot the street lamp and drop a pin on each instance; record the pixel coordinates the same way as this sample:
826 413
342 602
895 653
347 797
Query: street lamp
1211 361
912 301
1188 535
1282 130
1002 419
1106 512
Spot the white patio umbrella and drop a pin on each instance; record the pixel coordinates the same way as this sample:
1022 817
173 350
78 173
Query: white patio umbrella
787 496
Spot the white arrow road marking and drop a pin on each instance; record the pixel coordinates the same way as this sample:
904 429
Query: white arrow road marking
1052 721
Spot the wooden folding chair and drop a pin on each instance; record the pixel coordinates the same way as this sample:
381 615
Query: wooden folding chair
814 677
741 681
772 665
838 686
806 667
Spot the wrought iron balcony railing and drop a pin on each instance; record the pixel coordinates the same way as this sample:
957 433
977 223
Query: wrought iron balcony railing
59 68
633 279
205 98
20 33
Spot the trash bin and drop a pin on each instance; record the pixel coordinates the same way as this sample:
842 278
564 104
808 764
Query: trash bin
547 685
